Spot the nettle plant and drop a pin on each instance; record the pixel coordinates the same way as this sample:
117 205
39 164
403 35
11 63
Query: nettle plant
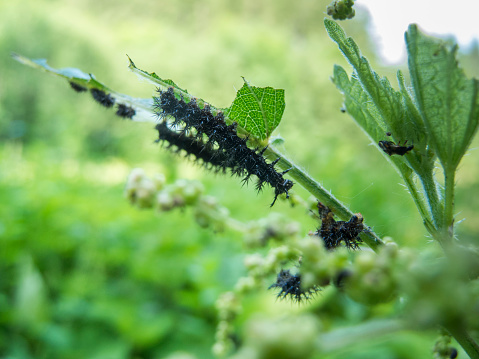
437 115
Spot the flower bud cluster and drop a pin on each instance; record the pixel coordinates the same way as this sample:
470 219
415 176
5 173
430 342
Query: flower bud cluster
146 192
275 227
442 348
261 267
228 307
319 265
341 9
141 190
438 291
372 277
369 278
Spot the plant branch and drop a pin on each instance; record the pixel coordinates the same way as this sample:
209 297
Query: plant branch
323 195
448 221
421 206
465 341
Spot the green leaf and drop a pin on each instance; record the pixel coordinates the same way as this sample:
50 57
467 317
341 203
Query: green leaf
142 106
447 100
155 79
391 111
359 105
378 109
388 102
258 110
163 84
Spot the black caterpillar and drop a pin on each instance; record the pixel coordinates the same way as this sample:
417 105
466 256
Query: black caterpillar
125 111
290 285
192 146
103 98
232 151
334 232
394 149
77 87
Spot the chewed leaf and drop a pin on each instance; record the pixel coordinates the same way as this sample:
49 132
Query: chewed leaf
69 73
137 109
257 109
164 85
447 100
154 78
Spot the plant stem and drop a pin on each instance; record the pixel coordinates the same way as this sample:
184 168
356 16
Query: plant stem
465 341
323 195
430 189
448 220
421 206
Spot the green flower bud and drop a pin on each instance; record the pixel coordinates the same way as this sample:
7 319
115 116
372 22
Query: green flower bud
139 189
165 201
245 285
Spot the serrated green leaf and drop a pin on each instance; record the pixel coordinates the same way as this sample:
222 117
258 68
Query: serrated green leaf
359 105
154 78
258 110
392 111
388 102
447 100
142 106
163 85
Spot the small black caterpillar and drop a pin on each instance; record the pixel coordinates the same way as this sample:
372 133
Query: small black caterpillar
125 111
192 146
77 87
102 98
290 285
394 149
235 154
334 232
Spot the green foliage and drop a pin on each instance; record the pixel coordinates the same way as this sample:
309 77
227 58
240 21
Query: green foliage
86 276
83 276
257 110
88 81
448 102
378 109
341 9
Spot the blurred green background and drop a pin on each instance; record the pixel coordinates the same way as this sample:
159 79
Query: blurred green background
85 275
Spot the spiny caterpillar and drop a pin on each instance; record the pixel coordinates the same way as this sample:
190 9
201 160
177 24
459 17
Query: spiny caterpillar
290 286
125 111
334 232
102 97
232 151
394 149
192 146
77 87
106 100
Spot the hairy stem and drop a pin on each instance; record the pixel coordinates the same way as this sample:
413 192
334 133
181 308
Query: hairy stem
430 189
448 219
323 195
421 206
465 341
